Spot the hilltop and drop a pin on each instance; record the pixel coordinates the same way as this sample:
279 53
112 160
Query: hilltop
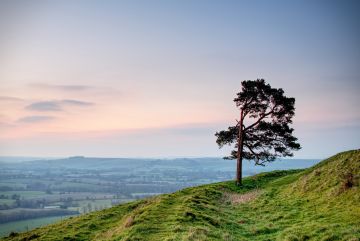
318 203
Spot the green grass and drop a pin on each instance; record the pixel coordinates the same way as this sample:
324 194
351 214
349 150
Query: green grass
311 204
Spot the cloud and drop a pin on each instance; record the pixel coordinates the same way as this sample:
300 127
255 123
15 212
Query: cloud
45 106
35 119
77 102
10 98
63 87
56 105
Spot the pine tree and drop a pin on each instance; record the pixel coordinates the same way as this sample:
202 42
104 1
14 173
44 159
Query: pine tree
262 133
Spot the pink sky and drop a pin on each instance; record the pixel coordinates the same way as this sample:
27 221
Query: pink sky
120 79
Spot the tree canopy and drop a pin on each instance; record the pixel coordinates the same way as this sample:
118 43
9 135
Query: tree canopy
262 133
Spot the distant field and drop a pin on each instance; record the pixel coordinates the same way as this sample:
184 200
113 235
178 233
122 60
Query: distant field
21 226
88 184
7 201
26 194
94 205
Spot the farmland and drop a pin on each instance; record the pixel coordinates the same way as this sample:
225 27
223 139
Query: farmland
33 193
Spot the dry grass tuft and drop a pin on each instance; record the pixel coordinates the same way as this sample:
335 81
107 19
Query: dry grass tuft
128 222
237 198
197 234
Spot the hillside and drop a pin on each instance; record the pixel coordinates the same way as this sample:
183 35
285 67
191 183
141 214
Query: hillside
319 203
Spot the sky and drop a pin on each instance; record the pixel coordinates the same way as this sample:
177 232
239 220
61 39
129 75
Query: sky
157 78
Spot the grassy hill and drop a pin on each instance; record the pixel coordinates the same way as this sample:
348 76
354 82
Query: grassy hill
319 203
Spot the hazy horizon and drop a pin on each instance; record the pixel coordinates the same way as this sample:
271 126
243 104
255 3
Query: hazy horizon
36 158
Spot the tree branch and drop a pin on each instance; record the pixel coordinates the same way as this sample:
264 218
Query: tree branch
245 105
258 121
251 150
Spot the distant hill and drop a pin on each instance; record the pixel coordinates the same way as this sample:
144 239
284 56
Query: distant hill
186 164
318 203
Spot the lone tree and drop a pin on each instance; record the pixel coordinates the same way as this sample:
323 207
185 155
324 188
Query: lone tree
262 133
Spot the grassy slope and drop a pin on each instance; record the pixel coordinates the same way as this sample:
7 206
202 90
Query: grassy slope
293 205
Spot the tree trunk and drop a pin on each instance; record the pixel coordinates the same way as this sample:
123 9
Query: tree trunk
239 151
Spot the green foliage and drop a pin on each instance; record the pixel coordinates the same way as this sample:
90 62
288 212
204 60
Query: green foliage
268 135
306 204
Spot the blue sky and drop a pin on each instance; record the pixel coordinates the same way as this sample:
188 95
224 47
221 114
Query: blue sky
157 78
